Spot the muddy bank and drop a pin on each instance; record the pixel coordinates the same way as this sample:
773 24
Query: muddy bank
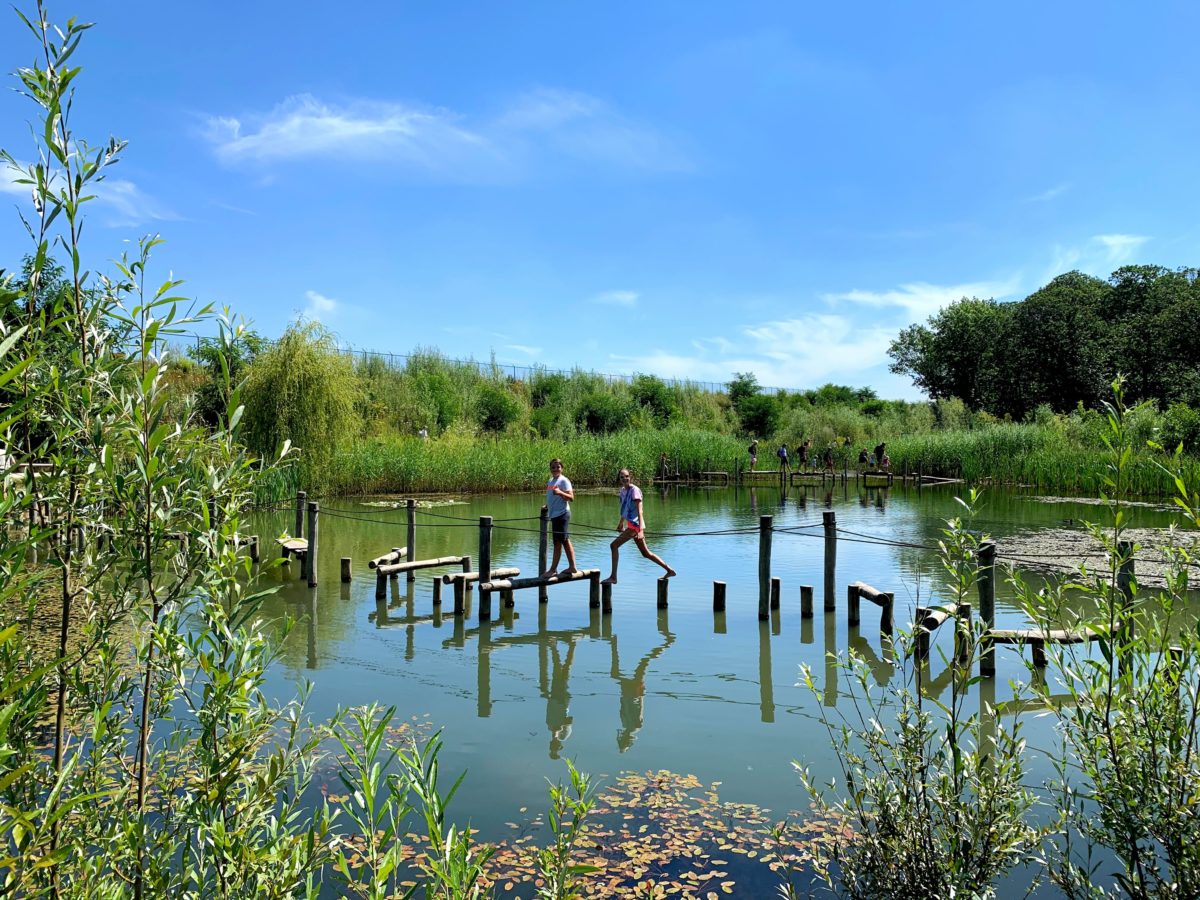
1064 550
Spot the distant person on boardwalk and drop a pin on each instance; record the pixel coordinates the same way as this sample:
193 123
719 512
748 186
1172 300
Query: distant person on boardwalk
753 451
863 459
802 455
886 462
784 464
632 527
829 458
880 452
559 494
664 466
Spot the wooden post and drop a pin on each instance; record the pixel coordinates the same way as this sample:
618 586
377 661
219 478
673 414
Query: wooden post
255 549
380 585
718 596
606 598
346 569
775 593
921 634
829 520
852 606
764 567
987 605
437 592
806 601
662 592
301 500
543 525
460 593
485 566
594 591
1125 575
410 507
310 558
1039 652
962 633
887 613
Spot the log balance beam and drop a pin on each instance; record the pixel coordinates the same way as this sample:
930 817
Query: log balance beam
930 619
1038 638
387 569
883 599
462 582
388 559
506 586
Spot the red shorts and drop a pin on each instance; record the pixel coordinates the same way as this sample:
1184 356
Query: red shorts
636 529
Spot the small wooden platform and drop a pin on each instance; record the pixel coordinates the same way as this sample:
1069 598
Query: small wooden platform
297 547
1038 638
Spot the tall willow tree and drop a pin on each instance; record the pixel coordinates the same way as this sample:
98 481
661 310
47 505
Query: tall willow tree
302 390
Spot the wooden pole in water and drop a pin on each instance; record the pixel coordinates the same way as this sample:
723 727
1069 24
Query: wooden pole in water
1125 575
411 508
962 633
662 592
594 591
543 548
921 633
346 561
775 593
886 615
718 596
806 601
606 598
829 520
485 566
987 604
255 549
301 499
437 591
310 558
381 581
852 606
764 567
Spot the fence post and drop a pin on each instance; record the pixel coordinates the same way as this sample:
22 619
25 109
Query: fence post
606 597
852 606
346 561
1125 576
987 605
662 591
310 558
718 596
485 566
301 499
764 566
775 593
829 520
411 509
806 601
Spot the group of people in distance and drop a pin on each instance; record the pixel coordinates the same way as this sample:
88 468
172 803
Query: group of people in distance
631 527
804 455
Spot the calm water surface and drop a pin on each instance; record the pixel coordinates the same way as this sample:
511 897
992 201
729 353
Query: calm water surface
643 689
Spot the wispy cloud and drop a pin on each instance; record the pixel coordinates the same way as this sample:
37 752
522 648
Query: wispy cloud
320 308
118 202
524 348
1099 255
616 298
1119 248
511 143
920 299
1049 194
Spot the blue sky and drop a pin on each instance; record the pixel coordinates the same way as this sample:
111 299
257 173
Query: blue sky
689 190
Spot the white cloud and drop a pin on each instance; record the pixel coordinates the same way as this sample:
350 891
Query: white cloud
524 348
118 202
1119 248
1048 194
616 298
921 299
320 308
517 140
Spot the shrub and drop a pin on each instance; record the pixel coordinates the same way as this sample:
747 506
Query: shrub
601 413
496 407
1181 425
652 394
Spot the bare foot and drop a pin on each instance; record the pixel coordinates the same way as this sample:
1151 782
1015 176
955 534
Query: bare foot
570 571
612 579
670 572
551 574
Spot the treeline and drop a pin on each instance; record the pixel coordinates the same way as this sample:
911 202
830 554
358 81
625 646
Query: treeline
1062 345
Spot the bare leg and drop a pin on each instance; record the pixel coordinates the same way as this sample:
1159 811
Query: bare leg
653 557
553 570
570 557
615 548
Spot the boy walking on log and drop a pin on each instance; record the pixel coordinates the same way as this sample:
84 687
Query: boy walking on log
632 527
559 494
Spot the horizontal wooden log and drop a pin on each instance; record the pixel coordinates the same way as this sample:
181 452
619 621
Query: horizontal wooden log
506 572
292 545
1051 635
935 616
519 584
388 558
396 568
879 598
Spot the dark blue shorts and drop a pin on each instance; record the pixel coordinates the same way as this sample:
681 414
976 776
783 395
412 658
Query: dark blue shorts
558 526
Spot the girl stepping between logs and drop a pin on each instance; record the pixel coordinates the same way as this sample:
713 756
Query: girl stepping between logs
631 527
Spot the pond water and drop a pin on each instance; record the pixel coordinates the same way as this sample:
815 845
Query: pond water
643 689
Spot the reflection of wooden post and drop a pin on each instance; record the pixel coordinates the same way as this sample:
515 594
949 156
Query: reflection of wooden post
543 524
987 605
662 592
831 662
766 686
485 566
310 557
346 561
718 596
852 606
764 567
806 601
411 509
301 500
829 520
